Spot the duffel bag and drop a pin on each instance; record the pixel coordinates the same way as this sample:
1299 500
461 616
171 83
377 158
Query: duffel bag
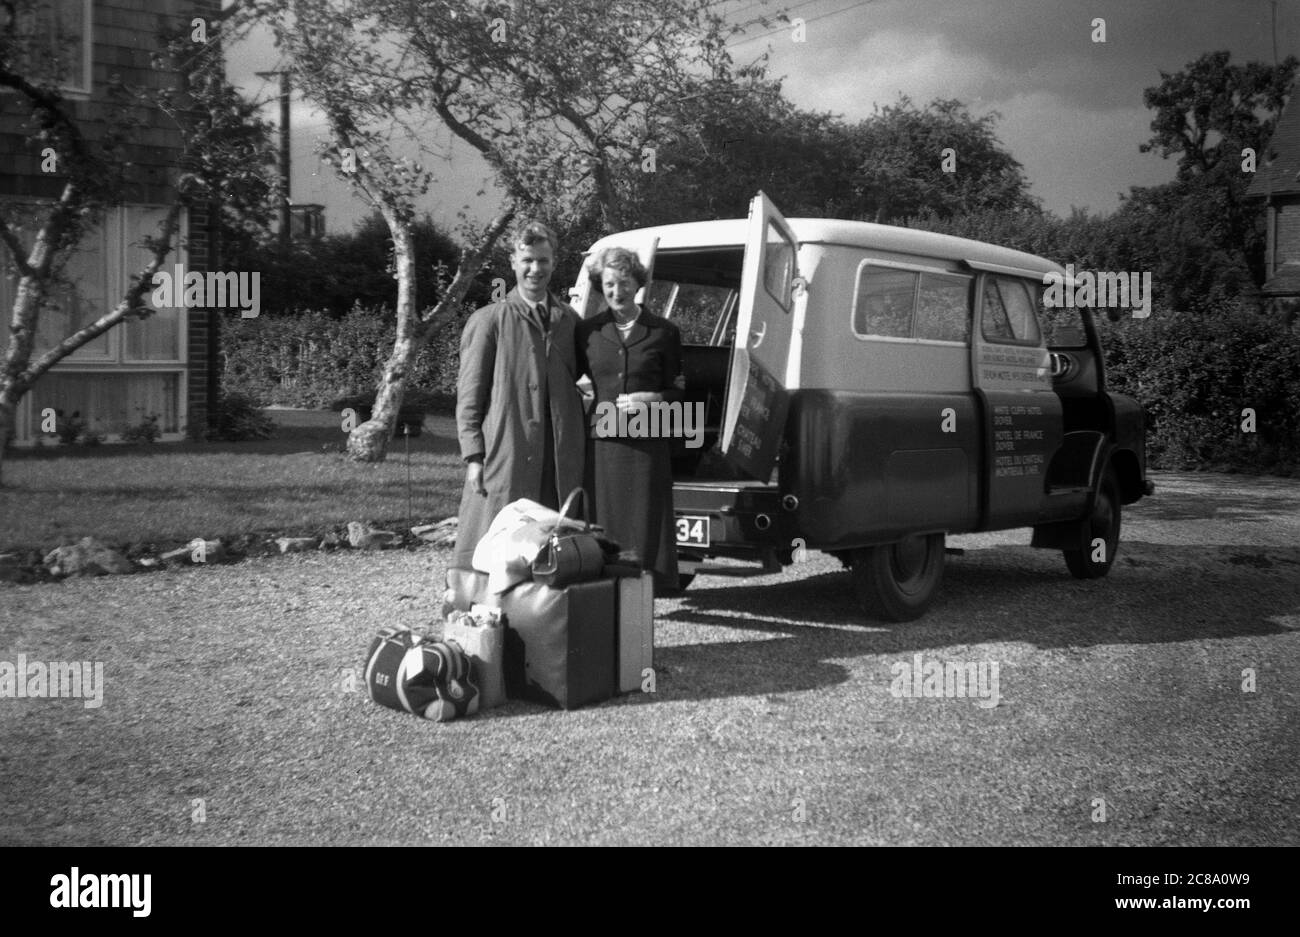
430 679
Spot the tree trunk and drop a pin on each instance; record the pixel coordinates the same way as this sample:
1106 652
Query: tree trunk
369 441
8 419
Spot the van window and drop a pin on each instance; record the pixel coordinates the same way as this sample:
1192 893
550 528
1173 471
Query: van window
884 302
1009 313
778 266
692 307
895 303
943 308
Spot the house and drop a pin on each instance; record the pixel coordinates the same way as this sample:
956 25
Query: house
1277 185
165 365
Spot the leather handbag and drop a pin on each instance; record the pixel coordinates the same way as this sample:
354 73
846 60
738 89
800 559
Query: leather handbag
571 555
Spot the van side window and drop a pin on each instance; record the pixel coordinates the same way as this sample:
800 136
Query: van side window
884 302
943 308
1009 313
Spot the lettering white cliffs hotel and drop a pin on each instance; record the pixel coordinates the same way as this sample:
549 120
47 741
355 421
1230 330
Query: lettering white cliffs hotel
211 290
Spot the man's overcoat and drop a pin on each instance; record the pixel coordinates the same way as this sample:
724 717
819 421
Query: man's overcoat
510 373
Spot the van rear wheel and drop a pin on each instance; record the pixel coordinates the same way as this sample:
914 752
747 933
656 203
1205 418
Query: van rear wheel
898 581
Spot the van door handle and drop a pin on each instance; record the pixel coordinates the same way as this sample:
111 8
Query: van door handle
756 338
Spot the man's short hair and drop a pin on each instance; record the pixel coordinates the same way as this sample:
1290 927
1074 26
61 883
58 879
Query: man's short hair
530 232
620 259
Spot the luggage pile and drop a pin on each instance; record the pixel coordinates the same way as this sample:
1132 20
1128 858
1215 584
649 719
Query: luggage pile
550 613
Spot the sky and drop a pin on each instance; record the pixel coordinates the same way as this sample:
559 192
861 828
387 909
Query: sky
1071 108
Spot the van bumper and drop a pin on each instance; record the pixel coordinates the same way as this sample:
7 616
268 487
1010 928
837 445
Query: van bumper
744 518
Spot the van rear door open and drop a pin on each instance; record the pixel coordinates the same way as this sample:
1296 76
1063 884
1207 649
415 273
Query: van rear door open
763 369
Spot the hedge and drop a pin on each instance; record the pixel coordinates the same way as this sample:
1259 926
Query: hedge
312 359
1197 373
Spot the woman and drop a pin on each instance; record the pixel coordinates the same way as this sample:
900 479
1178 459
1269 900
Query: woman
634 359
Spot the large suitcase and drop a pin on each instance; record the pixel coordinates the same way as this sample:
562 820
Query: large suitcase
636 630
559 642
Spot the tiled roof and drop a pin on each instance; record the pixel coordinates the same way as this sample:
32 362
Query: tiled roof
1282 176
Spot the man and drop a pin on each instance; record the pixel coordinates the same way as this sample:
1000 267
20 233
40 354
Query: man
518 413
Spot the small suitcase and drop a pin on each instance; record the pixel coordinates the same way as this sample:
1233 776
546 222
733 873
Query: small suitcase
636 630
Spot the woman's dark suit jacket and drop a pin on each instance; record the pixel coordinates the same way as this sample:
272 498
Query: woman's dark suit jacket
651 360
632 479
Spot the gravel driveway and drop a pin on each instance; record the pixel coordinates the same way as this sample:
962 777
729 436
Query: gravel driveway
1160 706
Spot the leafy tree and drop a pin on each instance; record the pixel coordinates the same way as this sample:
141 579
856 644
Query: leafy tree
732 138
221 160
901 161
1206 115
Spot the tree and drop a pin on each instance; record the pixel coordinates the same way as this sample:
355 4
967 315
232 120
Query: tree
563 100
937 159
219 162
735 136
1206 115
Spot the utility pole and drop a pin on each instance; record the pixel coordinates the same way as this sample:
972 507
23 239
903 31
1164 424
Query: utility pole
285 229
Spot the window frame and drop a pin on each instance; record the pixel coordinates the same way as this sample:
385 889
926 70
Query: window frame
84 88
920 270
1024 286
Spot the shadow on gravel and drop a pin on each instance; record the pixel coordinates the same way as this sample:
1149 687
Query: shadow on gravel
1156 594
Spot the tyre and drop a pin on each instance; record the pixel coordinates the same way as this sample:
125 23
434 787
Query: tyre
1092 560
898 581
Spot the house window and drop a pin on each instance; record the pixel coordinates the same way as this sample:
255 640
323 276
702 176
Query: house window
134 370
157 337
110 401
54 42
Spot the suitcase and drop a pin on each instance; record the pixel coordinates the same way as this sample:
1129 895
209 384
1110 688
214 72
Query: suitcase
559 642
636 630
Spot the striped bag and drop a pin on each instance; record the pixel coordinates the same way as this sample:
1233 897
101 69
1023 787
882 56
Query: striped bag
430 679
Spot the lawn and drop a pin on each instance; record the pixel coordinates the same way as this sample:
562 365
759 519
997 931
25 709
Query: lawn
297 481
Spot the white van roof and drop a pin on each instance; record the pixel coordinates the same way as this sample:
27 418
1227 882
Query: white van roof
731 233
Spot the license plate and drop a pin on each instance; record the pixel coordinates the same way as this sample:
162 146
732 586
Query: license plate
692 531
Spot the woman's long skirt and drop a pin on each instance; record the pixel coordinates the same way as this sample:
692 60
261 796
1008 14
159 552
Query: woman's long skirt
632 481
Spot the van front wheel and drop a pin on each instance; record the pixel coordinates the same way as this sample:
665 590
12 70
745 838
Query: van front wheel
898 581
1098 534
